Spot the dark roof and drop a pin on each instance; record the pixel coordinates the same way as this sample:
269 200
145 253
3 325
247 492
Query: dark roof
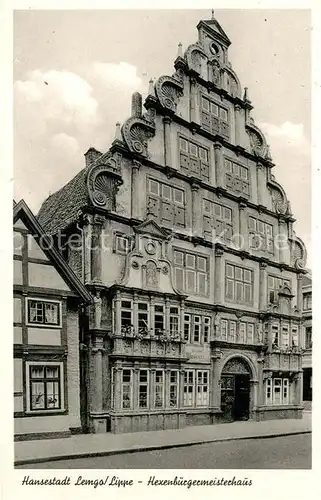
60 209
23 212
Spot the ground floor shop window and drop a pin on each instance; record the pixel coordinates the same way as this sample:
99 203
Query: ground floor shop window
126 389
44 386
196 388
173 389
277 391
143 389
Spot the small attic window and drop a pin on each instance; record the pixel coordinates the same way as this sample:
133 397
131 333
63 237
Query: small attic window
214 49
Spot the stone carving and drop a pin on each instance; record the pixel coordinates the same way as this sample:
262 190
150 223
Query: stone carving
216 73
236 365
151 274
136 132
193 56
103 180
168 90
257 140
98 303
233 85
298 253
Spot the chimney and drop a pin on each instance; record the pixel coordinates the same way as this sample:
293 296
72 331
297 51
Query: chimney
91 155
137 105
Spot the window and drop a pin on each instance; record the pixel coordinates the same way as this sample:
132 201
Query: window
126 389
173 320
307 301
224 328
274 284
246 333
285 335
44 386
191 272
159 389
238 284
261 235
143 317
202 388
143 388
43 312
308 337
196 328
237 178
166 203
122 243
126 316
214 118
232 331
196 388
277 391
275 335
217 218
194 159
189 381
173 389
159 319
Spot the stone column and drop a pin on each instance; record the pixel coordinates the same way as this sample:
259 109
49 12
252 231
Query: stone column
243 226
97 383
87 237
263 287
196 210
192 100
166 316
117 387
167 141
216 383
300 388
219 167
238 125
135 191
96 249
299 292
182 314
219 278
135 312
283 241
261 183
117 326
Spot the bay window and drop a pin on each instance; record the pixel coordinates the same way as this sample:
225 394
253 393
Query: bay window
126 315
159 325
126 393
285 335
143 389
275 335
173 320
143 317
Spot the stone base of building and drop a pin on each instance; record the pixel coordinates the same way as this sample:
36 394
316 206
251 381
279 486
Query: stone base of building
279 412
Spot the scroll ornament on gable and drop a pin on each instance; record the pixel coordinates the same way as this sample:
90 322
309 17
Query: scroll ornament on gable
168 90
298 253
280 202
103 180
193 56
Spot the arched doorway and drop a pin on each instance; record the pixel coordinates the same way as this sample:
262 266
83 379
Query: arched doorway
235 390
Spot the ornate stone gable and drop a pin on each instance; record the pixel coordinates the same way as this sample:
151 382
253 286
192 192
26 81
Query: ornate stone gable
147 266
103 180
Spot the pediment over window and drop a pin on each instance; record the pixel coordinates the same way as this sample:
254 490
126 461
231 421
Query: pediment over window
285 291
151 227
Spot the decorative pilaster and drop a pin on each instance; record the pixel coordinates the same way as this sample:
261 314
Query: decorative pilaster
182 314
238 125
261 388
299 292
117 387
263 287
98 222
166 322
135 192
96 385
167 141
282 241
219 167
193 100
135 312
86 225
243 229
261 183
216 385
117 326
219 279
196 210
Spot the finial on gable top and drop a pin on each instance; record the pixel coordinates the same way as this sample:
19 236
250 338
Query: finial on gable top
246 95
180 50
151 87
268 153
117 133
213 14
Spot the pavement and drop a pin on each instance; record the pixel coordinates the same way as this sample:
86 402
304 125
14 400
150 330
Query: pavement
97 445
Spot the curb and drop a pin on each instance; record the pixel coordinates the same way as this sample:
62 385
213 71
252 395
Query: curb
152 447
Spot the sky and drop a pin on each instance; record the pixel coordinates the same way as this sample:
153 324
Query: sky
75 71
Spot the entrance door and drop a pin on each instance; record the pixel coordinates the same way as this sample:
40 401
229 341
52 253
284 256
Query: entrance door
235 391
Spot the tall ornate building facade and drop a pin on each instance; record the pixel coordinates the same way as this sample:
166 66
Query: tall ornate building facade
187 244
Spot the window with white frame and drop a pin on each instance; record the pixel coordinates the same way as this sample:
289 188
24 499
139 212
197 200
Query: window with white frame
143 317
237 178
275 334
196 388
191 272
238 284
277 391
295 336
143 389
246 333
224 329
159 317
173 388
194 159
159 389
173 320
197 328
126 393
214 118
126 315
44 382
43 312
261 235
308 337
122 243
307 301
285 335
274 285
218 218
166 203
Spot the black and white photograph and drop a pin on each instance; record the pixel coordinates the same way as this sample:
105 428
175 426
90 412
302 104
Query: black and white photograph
162 267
